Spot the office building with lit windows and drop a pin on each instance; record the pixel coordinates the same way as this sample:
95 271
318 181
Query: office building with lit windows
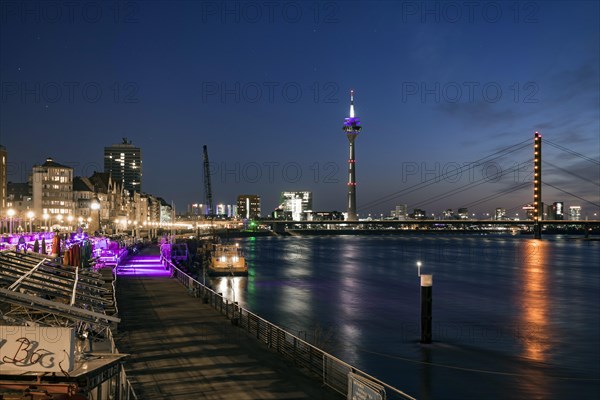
248 206
500 214
575 213
296 203
123 162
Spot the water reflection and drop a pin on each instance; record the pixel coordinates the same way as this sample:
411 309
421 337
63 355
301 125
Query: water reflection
232 287
533 326
519 306
350 299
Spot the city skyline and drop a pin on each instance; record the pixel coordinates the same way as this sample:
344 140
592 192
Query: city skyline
437 92
228 208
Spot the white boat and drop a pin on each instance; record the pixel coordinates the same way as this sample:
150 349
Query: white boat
227 259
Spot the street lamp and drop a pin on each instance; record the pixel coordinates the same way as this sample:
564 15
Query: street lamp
419 268
96 207
11 214
30 215
46 216
70 219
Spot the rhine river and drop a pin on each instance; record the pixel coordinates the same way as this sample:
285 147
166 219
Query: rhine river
513 317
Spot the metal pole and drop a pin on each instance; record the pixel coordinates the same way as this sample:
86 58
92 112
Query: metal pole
426 303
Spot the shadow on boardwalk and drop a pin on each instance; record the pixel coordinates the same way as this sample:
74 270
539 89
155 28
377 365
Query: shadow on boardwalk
183 349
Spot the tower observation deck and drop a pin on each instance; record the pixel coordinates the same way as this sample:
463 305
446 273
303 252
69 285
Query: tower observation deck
352 128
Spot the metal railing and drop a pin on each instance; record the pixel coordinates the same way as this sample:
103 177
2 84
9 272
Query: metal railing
126 388
334 372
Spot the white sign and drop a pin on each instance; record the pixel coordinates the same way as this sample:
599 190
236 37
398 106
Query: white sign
36 349
361 388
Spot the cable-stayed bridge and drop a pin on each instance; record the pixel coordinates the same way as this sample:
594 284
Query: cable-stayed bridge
534 180
528 180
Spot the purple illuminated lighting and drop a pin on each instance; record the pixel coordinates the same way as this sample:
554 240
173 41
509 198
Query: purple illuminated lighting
352 121
146 266
150 273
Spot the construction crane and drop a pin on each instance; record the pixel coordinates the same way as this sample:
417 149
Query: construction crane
210 211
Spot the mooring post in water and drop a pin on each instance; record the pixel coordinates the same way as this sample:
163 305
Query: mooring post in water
426 303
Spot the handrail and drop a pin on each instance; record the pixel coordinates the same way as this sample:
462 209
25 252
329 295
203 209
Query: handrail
130 392
330 368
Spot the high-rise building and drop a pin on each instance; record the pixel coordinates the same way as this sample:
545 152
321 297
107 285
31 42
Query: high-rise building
52 189
558 211
575 213
500 214
296 203
248 206
123 162
352 127
401 212
197 209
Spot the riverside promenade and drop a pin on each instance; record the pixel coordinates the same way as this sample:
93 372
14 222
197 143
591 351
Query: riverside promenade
183 349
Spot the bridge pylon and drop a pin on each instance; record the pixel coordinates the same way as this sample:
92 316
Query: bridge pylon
538 205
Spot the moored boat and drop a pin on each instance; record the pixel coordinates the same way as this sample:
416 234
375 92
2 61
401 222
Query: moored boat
227 259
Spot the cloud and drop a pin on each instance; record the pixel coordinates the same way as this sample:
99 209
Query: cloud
577 82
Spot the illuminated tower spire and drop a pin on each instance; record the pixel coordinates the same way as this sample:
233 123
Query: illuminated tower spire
352 128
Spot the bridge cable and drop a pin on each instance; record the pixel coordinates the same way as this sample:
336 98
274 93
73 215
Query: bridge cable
465 187
498 194
571 194
430 181
572 152
572 173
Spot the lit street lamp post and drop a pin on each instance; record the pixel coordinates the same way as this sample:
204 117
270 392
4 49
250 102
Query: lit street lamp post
46 216
96 206
11 214
30 215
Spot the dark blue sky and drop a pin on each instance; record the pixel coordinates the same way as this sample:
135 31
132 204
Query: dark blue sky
265 86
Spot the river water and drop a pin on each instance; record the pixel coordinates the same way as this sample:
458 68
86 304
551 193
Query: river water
513 317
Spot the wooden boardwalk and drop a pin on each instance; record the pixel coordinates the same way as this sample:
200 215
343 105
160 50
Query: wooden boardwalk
183 349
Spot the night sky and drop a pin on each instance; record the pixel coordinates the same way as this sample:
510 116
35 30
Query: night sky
265 85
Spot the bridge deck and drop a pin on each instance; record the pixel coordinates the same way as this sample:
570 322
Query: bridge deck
183 349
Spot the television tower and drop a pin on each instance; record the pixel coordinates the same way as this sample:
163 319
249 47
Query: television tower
352 128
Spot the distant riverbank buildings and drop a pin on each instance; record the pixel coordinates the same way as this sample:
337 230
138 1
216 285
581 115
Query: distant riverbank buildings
53 198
